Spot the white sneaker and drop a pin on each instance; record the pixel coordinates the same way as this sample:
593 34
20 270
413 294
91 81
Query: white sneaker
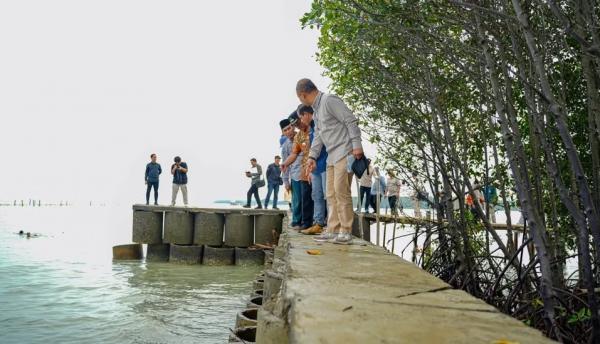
342 239
325 236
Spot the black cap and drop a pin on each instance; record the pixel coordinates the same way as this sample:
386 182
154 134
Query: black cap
284 123
293 118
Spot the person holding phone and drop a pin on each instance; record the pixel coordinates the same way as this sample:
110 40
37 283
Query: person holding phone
179 171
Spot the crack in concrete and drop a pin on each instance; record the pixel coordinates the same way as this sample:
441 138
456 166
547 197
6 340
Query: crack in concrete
425 292
438 307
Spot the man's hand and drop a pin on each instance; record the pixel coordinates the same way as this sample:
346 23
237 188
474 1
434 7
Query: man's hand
288 187
311 165
358 153
310 178
283 167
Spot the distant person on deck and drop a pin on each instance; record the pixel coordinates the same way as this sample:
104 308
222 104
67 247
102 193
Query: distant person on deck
153 171
256 182
179 171
365 183
337 129
274 180
416 194
393 191
378 190
491 200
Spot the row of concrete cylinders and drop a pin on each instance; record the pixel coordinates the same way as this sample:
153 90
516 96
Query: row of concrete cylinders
205 228
266 285
246 320
191 254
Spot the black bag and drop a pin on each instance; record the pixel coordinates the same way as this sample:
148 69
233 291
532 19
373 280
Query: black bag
260 183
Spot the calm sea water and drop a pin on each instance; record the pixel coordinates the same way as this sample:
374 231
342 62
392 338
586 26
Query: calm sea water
63 287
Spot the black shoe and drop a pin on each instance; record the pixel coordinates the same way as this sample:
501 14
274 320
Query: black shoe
147 203
155 203
259 207
275 208
246 206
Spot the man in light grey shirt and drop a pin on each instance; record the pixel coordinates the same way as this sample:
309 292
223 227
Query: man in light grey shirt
336 128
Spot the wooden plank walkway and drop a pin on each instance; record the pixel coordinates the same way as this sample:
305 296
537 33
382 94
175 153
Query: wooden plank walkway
410 220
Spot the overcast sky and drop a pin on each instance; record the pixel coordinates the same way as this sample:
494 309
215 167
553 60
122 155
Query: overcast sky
88 89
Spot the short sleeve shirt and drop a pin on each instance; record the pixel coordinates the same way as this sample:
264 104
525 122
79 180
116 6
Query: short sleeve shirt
302 148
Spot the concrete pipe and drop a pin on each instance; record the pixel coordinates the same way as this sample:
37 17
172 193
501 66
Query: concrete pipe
271 329
185 254
272 284
218 256
127 252
147 227
208 229
158 252
243 335
255 302
258 284
267 228
246 257
239 230
246 318
179 228
268 258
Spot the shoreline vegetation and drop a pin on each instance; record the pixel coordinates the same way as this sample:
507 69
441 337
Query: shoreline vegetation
507 93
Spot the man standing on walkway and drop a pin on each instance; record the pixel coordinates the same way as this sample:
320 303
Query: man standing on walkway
378 190
365 182
393 191
179 171
318 177
337 129
255 174
417 194
291 174
273 182
153 171
300 150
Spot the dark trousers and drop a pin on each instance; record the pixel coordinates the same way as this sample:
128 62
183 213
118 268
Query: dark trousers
374 201
308 205
296 203
392 200
253 191
273 188
365 191
149 186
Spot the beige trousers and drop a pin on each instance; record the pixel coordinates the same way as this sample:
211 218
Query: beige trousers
339 198
176 188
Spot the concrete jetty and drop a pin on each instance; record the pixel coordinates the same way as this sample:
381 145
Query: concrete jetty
362 294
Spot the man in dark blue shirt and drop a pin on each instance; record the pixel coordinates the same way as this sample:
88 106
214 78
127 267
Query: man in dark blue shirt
273 181
153 171
179 171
